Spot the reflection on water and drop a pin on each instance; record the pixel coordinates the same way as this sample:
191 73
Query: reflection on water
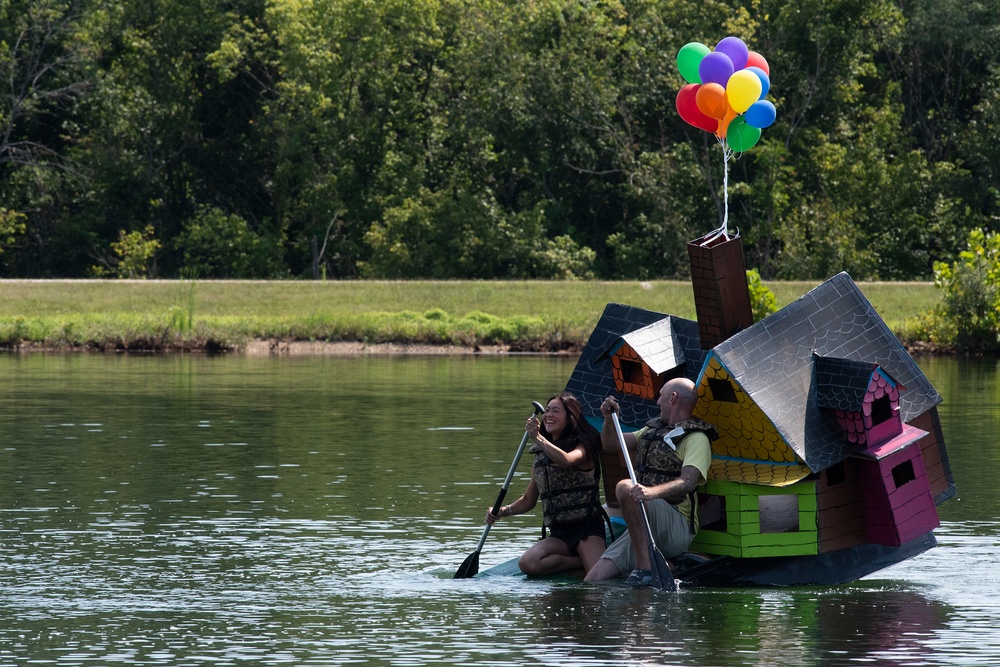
192 510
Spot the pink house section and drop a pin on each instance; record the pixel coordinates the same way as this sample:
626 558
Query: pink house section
899 505
896 489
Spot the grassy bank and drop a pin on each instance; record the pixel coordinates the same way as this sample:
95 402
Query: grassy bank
228 315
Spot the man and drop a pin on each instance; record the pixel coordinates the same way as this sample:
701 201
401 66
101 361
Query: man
668 471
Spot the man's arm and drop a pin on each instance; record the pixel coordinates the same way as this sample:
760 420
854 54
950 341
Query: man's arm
609 437
675 490
694 468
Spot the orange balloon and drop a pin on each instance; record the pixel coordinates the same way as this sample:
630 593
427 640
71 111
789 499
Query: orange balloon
712 101
724 123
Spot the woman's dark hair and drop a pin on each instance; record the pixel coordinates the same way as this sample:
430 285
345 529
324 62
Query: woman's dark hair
578 428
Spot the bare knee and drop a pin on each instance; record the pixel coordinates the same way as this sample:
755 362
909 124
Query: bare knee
530 561
528 564
622 489
604 568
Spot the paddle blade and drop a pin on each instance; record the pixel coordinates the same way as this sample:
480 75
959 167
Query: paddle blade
663 578
470 567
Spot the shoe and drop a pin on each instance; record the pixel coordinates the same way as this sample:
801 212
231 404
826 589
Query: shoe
639 577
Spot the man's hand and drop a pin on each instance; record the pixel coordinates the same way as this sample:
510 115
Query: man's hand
640 493
609 407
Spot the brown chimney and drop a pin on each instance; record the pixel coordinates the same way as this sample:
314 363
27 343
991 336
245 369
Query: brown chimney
721 294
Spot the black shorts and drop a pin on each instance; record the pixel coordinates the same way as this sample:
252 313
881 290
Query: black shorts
574 533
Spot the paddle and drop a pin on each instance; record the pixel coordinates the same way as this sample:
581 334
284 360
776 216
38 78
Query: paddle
662 577
470 567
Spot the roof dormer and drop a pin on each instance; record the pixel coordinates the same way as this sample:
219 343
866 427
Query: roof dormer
863 398
644 359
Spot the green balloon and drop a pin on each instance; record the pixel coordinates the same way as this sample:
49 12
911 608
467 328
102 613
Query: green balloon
740 136
688 59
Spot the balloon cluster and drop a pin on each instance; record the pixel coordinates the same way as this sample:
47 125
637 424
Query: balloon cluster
725 91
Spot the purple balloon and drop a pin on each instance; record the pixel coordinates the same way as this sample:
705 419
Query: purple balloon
760 114
736 50
715 68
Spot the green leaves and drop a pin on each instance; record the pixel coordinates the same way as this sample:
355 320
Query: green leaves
487 138
970 311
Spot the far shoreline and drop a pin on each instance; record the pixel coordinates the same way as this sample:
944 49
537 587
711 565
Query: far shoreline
299 348
295 348
259 348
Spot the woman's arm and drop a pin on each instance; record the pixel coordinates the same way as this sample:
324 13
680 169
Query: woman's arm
525 503
572 459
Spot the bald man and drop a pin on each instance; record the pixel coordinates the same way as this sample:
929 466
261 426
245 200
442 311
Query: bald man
668 471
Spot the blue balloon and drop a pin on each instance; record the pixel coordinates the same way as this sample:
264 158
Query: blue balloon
760 114
765 80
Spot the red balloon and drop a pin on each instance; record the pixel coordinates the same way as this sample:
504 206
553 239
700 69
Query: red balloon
754 59
687 108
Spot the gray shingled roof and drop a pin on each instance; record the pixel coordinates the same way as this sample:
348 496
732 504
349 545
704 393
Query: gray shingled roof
841 384
592 379
772 361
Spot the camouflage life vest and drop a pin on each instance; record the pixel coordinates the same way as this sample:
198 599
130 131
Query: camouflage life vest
567 494
656 461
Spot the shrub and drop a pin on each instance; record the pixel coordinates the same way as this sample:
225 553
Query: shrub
217 245
133 252
762 301
970 309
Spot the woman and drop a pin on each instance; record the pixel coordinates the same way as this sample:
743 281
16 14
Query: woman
566 476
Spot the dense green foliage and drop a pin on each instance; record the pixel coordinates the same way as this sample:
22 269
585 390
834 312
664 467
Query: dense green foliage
968 317
762 299
484 138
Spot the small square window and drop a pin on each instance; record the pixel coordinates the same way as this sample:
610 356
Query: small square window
881 410
779 514
836 474
903 473
722 390
632 372
712 512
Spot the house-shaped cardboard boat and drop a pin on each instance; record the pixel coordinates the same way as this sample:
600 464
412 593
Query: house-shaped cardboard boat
830 460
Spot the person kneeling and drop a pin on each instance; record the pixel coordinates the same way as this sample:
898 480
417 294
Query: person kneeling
566 476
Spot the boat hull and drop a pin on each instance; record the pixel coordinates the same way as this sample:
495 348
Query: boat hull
833 568
829 569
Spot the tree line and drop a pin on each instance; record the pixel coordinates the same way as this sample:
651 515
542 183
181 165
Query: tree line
490 139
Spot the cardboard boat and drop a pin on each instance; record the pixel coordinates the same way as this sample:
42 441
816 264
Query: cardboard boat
830 461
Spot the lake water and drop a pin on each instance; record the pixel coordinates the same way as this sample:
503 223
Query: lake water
190 510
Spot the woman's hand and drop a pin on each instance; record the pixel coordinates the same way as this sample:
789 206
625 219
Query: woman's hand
532 426
492 518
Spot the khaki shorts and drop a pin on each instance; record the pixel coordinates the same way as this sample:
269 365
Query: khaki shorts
671 533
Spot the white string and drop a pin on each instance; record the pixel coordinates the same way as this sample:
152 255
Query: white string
723 231
726 153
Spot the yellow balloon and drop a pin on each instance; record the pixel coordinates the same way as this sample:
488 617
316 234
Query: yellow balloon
743 89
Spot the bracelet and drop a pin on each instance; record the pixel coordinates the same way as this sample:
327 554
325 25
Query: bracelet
505 511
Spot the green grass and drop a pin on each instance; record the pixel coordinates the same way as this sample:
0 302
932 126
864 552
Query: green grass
528 315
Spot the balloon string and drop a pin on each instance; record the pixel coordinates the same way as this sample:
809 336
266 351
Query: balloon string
725 187
723 231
